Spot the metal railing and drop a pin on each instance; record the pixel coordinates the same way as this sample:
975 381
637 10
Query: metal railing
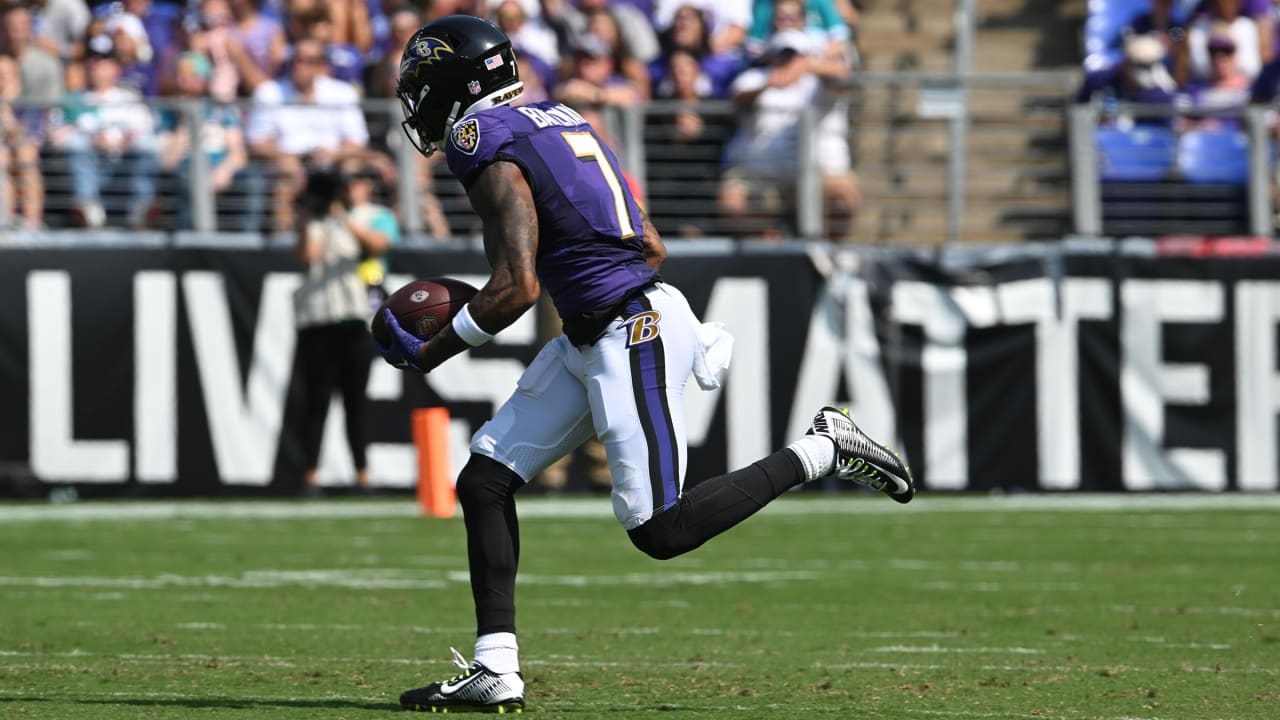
946 157
1175 201
939 158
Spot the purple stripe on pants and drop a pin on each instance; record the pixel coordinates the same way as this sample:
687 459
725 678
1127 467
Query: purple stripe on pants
653 380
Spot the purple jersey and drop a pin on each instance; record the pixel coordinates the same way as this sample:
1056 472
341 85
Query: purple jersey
590 244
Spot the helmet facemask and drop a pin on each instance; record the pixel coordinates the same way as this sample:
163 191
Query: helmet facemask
418 127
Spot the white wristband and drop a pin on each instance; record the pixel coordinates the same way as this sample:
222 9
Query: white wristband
467 329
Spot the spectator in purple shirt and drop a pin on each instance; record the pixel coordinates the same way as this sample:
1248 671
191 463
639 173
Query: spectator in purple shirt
404 21
1140 78
263 43
1266 87
690 31
352 24
1165 22
133 48
594 79
605 25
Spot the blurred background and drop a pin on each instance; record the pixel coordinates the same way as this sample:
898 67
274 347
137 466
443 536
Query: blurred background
1030 241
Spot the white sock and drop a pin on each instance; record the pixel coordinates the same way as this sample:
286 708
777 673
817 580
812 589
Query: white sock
817 454
498 652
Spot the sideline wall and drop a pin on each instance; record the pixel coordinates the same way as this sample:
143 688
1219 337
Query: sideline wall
1099 366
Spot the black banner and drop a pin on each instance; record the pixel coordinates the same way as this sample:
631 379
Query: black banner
171 371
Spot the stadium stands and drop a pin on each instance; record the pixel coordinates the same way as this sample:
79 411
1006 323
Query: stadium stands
240 50
1214 157
1028 179
1155 181
1015 184
1138 154
1185 168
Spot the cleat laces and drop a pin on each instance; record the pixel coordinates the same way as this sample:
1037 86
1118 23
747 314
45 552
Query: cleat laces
460 662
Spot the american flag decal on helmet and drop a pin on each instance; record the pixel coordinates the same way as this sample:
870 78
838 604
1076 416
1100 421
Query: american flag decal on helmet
493 62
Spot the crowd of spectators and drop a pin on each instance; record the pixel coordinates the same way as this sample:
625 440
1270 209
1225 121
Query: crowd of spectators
1173 81
123 95
1205 59
278 85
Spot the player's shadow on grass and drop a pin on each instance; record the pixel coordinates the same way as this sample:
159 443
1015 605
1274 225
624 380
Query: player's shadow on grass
242 703
335 704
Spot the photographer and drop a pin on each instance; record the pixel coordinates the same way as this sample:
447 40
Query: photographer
337 233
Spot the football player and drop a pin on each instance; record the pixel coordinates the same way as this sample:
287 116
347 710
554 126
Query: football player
557 214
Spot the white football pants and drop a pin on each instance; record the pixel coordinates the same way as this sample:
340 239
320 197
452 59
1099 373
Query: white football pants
627 389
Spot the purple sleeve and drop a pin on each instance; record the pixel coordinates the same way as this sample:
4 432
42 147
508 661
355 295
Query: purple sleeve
1248 8
1264 86
476 141
1255 8
1095 82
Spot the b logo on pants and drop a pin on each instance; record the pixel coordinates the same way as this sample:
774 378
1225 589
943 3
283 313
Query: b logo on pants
642 327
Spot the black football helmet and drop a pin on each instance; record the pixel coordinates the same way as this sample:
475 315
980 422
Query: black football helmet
451 67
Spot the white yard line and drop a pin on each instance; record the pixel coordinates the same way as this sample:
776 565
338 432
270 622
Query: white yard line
638 630
573 661
940 649
999 587
600 508
126 696
1022 668
978 714
392 579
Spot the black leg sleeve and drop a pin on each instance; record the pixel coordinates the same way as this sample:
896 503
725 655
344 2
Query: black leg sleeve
717 504
487 490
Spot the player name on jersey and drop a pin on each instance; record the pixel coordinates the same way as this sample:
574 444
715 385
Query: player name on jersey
559 116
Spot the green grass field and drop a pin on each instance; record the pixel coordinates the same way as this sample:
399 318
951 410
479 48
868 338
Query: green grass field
842 607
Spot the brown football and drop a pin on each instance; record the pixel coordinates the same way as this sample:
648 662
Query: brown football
422 307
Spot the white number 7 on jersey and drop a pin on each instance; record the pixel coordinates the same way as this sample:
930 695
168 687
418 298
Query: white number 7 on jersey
585 146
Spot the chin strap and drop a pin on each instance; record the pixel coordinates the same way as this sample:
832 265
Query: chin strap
449 122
